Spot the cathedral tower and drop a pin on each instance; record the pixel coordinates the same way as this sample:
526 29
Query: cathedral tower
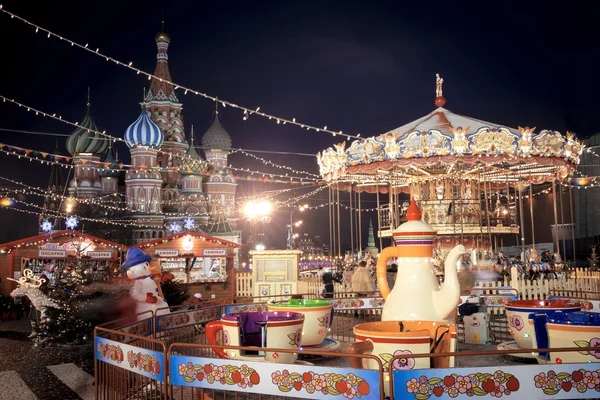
220 185
165 110
192 200
87 147
143 180
53 199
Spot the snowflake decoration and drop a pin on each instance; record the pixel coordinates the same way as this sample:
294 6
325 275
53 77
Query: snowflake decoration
189 223
46 226
175 227
72 222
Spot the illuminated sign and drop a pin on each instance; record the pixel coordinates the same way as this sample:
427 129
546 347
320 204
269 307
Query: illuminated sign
100 254
214 252
44 253
166 252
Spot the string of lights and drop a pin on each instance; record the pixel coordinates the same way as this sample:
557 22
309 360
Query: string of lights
267 176
247 112
267 162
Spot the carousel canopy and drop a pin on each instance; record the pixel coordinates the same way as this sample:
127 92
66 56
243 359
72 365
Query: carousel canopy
443 143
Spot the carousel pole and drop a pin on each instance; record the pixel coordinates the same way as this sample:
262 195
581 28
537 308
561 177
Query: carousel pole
330 224
487 212
531 213
339 232
360 224
522 219
379 218
562 223
555 215
351 221
572 230
462 212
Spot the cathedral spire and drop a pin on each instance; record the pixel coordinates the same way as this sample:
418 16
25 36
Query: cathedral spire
160 89
56 182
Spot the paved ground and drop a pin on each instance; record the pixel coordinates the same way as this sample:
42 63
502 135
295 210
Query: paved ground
29 372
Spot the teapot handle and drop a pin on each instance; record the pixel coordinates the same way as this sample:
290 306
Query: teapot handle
382 282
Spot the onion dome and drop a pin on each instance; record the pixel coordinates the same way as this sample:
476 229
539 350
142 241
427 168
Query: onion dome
144 132
415 235
84 139
162 36
216 137
192 163
112 168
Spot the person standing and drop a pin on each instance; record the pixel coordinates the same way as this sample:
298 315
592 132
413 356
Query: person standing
34 313
328 280
361 280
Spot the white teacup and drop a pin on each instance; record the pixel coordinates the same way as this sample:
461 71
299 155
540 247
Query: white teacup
517 313
317 318
283 330
388 339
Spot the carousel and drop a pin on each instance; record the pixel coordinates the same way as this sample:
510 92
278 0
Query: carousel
468 176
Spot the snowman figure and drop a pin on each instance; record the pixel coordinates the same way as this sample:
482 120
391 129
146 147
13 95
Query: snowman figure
144 290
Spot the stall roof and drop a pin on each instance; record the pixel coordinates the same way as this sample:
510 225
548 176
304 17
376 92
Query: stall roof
40 239
165 239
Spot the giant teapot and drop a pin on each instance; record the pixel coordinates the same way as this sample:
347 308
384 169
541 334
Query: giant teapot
417 294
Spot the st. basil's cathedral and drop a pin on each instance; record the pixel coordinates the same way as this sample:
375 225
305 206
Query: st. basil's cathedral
169 184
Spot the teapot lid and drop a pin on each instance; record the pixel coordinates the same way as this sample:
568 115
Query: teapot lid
414 232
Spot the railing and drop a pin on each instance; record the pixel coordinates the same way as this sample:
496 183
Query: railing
167 357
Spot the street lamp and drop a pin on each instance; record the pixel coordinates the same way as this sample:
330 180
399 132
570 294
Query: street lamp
257 211
291 225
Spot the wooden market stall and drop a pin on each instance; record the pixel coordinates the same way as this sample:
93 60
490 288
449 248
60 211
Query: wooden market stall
52 253
204 262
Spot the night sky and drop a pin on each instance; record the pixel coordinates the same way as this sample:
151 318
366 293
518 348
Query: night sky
363 67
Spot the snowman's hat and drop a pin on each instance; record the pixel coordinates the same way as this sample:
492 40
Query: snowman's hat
135 256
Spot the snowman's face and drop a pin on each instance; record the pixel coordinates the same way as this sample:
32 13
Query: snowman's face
138 270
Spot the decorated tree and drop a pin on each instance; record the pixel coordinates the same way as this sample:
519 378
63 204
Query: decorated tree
175 292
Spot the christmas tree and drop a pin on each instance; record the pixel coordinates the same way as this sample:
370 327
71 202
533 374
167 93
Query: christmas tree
175 292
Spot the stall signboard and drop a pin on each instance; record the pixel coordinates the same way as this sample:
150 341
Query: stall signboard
52 253
100 254
214 252
166 252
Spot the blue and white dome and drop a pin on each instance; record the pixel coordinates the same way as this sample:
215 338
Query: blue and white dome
144 132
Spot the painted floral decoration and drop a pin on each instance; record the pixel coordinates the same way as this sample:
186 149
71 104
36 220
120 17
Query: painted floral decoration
173 320
324 320
295 338
517 322
586 305
348 303
110 352
143 362
401 363
594 342
243 376
348 386
496 385
580 380
376 303
206 315
226 340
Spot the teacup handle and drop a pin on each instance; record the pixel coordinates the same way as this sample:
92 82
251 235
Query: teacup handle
211 336
365 347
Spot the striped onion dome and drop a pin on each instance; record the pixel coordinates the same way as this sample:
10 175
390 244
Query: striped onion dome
192 163
144 132
216 137
84 139
111 165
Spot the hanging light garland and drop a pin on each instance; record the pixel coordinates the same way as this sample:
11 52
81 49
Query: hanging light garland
267 162
247 112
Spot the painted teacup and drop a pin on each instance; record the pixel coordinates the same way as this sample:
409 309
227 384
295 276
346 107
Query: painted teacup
279 330
389 339
567 329
317 319
517 313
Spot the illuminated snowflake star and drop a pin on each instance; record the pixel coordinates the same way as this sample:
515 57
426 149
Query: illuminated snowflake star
46 226
175 227
72 222
189 223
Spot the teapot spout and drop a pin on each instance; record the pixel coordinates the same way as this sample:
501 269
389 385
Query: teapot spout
446 299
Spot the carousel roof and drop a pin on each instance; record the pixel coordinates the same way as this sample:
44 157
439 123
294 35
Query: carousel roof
429 145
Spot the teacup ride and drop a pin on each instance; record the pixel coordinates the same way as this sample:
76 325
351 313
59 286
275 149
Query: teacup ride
565 329
517 314
318 315
275 330
389 339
